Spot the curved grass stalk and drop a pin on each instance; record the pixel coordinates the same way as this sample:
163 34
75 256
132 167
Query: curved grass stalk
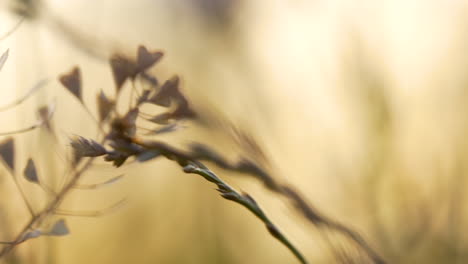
246 201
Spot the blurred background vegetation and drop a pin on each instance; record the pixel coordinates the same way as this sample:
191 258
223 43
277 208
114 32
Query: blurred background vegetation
361 105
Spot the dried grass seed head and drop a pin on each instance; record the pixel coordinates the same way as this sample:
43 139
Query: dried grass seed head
83 147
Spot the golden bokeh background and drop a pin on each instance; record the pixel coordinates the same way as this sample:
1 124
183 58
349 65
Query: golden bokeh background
361 105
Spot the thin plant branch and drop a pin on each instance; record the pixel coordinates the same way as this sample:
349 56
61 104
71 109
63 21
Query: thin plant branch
96 213
28 94
12 30
38 218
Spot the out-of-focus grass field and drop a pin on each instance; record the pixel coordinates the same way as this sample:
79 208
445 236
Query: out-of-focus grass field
361 105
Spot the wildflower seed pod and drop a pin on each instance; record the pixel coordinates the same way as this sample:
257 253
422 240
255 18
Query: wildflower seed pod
72 81
7 153
146 59
30 172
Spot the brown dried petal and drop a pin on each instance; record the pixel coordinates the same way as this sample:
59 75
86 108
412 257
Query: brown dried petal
30 172
72 81
169 90
146 59
122 69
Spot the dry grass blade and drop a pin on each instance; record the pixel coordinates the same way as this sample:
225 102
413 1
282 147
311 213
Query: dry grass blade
248 202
